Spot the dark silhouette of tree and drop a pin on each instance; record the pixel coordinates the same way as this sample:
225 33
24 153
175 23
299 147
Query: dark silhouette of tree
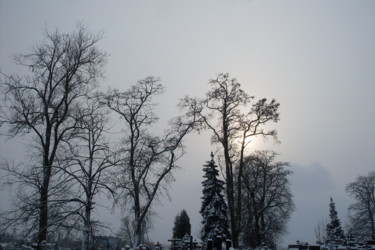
147 160
23 215
267 199
214 210
182 225
362 218
334 230
222 113
126 230
87 163
44 104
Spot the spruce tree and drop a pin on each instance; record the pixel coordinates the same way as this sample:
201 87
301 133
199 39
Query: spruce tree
334 230
214 209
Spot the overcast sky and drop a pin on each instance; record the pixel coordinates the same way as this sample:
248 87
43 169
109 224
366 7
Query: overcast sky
317 58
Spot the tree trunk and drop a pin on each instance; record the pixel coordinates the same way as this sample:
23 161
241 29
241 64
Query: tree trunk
137 235
372 221
137 218
230 182
43 216
231 200
43 212
257 232
238 208
86 243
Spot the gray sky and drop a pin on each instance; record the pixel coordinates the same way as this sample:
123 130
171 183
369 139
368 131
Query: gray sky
317 58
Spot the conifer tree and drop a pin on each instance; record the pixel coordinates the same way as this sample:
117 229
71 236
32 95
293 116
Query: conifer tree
334 230
214 209
182 225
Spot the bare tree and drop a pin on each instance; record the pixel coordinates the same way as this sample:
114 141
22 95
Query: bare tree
320 231
26 181
222 113
267 199
148 160
126 229
44 104
127 226
362 219
87 163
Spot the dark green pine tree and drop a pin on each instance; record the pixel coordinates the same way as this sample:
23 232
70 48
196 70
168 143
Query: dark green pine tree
214 209
182 225
334 230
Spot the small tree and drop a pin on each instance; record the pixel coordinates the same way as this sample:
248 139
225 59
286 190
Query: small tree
127 226
182 225
320 231
214 210
334 230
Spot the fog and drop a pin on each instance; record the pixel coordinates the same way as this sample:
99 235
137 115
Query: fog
317 58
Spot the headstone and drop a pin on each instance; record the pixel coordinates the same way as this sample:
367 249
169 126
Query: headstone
228 244
218 243
209 244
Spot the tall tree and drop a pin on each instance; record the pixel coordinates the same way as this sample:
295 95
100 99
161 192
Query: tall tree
63 69
214 209
87 162
223 113
362 219
267 199
182 225
334 230
147 160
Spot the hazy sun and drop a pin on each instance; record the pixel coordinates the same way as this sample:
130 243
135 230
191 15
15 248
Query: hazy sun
249 142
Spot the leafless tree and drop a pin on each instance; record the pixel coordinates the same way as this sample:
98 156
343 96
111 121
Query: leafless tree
126 229
320 231
127 226
44 104
223 113
87 162
26 182
362 219
267 199
148 160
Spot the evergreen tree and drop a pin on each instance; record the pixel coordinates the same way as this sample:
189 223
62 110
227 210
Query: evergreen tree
334 230
214 209
182 225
